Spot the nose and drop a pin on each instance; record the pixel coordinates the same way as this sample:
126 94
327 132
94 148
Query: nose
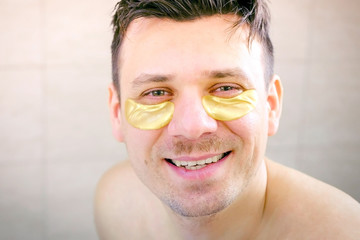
190 119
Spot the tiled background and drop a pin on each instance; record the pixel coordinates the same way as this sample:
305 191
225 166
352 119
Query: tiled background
55 137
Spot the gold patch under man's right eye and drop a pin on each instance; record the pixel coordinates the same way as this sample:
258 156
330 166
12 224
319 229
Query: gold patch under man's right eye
148 117
227 109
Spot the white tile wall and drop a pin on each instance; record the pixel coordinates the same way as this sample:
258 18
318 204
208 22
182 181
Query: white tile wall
21 121
70 193
293 75
77 116
321 107
78 33
21 32
55 136
284 154
22 202
335 30
290 30
331 106
336 164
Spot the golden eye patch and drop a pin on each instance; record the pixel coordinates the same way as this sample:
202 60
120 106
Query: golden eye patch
148 117
227 109
151 117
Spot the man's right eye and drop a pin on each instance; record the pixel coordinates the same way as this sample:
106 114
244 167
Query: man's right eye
156 93
155 96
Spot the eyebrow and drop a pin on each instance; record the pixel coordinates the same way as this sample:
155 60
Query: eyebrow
145 78
227 73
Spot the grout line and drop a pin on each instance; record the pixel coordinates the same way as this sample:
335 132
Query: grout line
307 73
42 6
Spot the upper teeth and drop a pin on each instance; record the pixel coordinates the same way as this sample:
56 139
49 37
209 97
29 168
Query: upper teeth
197 164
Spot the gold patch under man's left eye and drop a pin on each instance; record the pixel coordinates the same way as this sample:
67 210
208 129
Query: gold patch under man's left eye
148 117
227 109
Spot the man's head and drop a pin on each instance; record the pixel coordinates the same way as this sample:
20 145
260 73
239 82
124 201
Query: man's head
196 165
254 14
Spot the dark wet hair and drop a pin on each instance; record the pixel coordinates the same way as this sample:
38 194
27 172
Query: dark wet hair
254 13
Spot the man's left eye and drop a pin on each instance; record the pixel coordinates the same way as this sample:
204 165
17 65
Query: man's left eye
226 91
156 93
226 88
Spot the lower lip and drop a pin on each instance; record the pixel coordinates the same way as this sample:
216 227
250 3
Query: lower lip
198 174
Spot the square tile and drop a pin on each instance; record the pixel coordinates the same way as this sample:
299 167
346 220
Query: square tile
283 154
22 202
293 75
80 34
21 122
335 30
21 32
337 165
70 191
79 128
290 28
331 112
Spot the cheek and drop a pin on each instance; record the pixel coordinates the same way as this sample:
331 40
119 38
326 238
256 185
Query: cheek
139 144
254 124
252 129
246 127
137 141
253 133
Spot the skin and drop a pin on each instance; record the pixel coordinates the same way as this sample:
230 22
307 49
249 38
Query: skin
247 196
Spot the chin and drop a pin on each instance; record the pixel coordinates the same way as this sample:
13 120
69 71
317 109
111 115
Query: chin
200 205
197 211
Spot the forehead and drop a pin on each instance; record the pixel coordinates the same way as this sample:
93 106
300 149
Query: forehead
186 49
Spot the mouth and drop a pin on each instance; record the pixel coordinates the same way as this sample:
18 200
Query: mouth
195 165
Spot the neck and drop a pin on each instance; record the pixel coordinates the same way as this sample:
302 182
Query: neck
241 220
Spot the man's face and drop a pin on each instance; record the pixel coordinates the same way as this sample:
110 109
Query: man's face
163 60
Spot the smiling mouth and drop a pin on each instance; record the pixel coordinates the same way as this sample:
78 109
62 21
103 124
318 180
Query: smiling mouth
195 165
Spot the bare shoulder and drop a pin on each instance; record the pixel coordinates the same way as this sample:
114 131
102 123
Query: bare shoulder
112 195
123 205
309 208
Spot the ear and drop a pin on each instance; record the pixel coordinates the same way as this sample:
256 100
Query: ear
274 104
115 116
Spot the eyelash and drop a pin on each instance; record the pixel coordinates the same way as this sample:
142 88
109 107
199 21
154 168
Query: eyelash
217 88
225 88
220 88
151 93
